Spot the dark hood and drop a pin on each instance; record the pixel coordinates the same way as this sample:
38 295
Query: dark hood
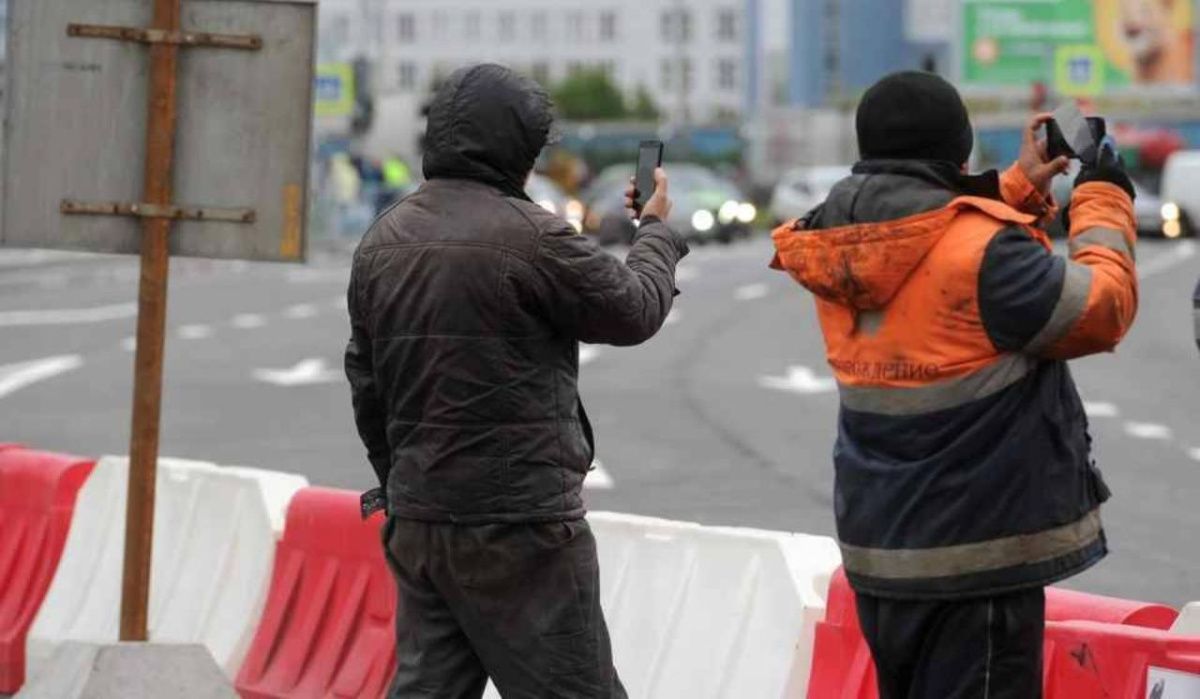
885 190
487 124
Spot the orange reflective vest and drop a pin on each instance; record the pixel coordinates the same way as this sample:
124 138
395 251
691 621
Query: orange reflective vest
963 462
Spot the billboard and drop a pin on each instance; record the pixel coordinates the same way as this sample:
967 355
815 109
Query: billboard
1081 47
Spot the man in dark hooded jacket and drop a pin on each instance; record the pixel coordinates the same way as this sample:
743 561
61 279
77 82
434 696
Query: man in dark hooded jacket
964 478
467 305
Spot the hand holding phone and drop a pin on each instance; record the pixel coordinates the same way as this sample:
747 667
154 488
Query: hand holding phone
650 154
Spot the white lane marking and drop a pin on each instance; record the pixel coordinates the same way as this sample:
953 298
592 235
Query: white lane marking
300 311
68 316
1194 452
306 373
750 292
129 344
1147 430
248 321
14 377
598 478
587 353
1094 409
673 317
1181 252
799 379
195 332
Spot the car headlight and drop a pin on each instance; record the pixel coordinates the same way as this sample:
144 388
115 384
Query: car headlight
746 213
548 205
1170 211
703 220
576 224
1172 229
728 212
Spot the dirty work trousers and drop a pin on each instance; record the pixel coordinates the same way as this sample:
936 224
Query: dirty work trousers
517 602
985 648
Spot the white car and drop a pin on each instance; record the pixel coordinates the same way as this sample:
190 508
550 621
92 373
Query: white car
801 190
1180 193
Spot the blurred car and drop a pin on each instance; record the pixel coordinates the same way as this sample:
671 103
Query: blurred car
803 189
706 207
1155 216
1179 190
548 195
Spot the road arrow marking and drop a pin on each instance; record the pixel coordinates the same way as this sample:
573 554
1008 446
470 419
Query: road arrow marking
68 316
248 321
307 373
799 379
1147 430
14 377
300 311
1100 409
750 292
194 332
598 478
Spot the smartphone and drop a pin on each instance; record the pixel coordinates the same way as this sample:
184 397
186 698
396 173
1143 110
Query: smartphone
650 155
1072 134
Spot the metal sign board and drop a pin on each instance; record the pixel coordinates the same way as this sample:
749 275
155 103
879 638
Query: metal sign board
74 138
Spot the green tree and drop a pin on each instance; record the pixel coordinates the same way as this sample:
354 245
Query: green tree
644 107
589 94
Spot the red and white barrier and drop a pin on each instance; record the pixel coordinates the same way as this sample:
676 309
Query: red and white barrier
37 501
289 591
327 629
213 552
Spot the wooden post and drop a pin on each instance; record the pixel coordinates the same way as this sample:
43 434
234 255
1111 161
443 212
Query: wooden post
151 327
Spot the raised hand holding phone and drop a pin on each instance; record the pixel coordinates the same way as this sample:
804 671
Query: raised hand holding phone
659 203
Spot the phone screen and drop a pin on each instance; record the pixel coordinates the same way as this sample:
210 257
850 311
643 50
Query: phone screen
649 158
1074 127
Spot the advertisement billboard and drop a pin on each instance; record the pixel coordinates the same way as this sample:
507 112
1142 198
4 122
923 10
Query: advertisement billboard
1081 47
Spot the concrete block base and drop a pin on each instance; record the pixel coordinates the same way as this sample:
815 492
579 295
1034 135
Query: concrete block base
130 671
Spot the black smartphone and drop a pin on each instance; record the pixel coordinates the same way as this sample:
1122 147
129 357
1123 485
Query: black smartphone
650 155
1072 134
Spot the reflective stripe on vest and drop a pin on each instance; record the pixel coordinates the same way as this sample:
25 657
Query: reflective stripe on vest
979 557
1072 302
915 400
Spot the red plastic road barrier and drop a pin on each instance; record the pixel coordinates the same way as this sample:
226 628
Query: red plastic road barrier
1068 605
842 667
841 664
1090 660
37 500
328 627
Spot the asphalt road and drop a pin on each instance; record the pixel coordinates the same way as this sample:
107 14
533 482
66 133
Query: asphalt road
727 417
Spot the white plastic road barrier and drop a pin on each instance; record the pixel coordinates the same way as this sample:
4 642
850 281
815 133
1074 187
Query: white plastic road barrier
1188 623
710 612
215 531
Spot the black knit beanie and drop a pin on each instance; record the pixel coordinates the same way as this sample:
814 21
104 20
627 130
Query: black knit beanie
914 116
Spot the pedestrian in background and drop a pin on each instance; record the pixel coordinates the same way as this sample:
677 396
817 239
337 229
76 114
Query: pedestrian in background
467 305
964 478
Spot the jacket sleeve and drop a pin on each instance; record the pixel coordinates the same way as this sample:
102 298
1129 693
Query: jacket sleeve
1035 302
1019 193
370 415
591 296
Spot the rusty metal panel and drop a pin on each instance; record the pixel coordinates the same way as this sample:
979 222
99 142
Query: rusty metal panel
76 116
